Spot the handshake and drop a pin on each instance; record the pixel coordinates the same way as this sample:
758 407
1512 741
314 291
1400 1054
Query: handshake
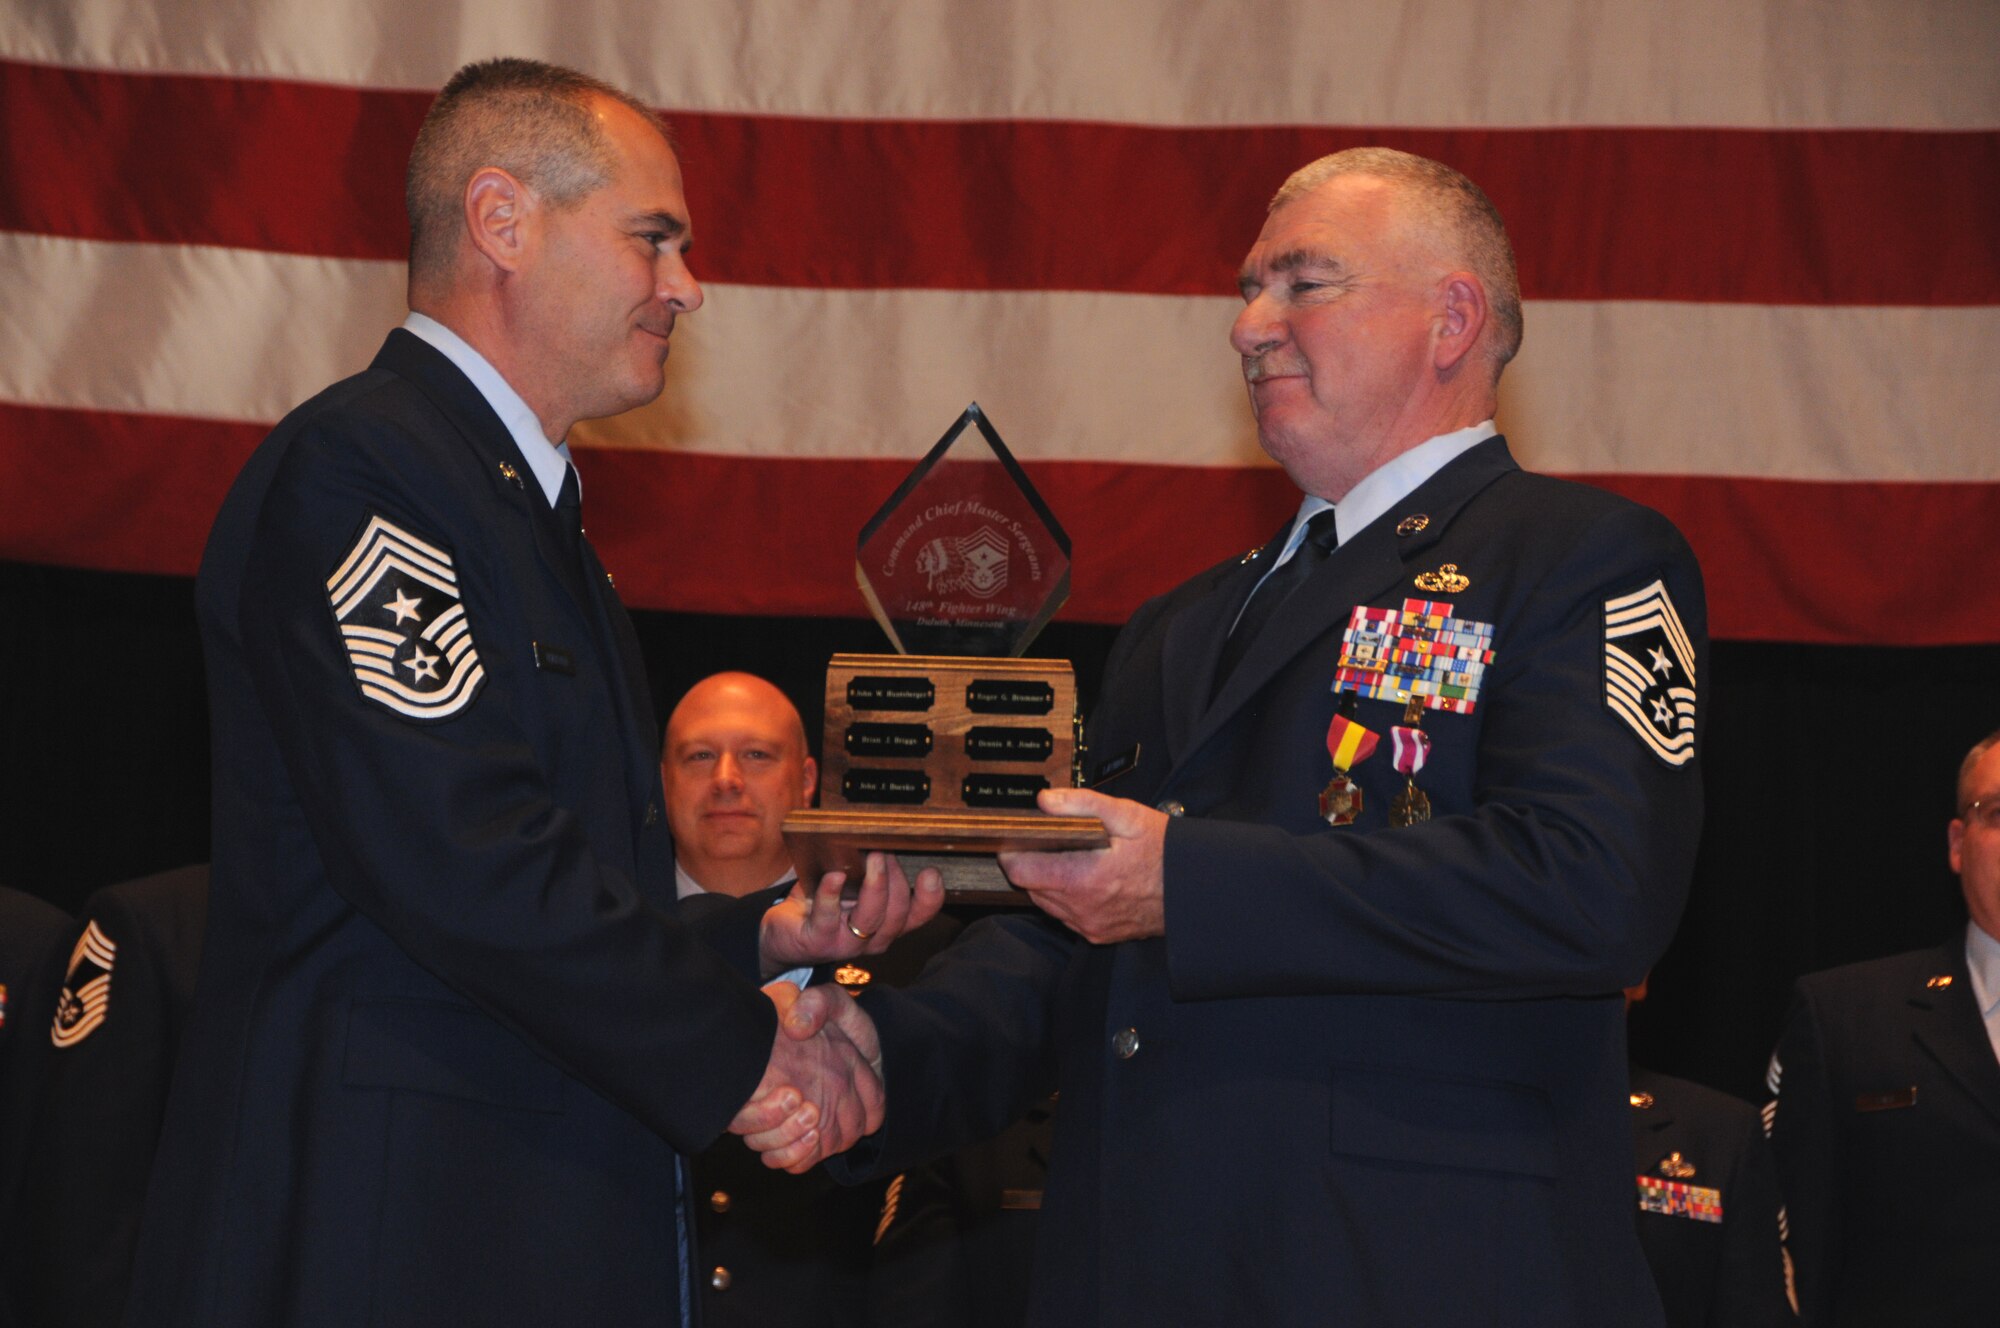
822 1090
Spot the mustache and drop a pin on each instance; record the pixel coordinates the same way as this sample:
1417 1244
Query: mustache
1256 368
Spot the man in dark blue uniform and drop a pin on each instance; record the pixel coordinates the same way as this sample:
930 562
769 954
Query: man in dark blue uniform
776 1250
1337 1018
452 1033
1711 1219
106 1060
31 960
1886 1110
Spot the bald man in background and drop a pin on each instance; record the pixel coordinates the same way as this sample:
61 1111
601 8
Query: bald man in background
775 1249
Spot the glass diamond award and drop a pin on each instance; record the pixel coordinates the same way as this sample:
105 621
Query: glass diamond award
937 752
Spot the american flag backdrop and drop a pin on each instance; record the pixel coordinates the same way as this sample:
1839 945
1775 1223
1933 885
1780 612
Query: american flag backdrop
1759 241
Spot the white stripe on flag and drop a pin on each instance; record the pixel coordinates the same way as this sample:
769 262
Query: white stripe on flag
1797 392
1781 64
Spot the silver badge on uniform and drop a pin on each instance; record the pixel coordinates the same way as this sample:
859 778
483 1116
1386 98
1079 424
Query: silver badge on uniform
86 989
1649 671
406 633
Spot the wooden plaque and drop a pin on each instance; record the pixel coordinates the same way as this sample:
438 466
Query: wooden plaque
938 759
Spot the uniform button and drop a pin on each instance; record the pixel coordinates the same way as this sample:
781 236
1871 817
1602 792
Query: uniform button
1125 1043
719 1201
1171 807
719 1279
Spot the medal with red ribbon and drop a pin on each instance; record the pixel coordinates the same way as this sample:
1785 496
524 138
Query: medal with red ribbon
1349 744
1410 748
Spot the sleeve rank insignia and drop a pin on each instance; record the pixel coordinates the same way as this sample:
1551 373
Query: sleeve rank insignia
407 637
85 999
1649 671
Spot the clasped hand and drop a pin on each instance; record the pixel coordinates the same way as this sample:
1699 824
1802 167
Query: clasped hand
822 1091
816 926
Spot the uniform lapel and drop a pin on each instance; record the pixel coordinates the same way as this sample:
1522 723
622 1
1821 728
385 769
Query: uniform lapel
1366 567
596 612
636 697
1194 640
411 357
1947 1026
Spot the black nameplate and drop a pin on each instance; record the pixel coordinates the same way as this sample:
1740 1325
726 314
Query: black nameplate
554 659
911 740
1003 790
898 786
999 696
1892 1100
993 743
890 693
1122 764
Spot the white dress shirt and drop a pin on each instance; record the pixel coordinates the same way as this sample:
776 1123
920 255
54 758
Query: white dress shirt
548 460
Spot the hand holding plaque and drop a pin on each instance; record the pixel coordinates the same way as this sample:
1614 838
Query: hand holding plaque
938 755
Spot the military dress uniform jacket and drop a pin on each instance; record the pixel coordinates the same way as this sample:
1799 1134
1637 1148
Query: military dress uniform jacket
1710 1216
1887 1130
31 965
785 1251
107 1060
450 1028
1370 1075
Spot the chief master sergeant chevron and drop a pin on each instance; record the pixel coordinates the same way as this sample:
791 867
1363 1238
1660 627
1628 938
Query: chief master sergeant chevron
1336 1018
452 1032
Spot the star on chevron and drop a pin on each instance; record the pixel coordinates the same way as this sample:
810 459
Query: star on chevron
1661 664
420 665
404 607
1663 715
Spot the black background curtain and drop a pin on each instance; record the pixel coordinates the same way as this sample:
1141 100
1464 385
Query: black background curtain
1829 771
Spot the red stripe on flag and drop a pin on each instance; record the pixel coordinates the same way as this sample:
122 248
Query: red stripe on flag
1855 563
130 493
1757 216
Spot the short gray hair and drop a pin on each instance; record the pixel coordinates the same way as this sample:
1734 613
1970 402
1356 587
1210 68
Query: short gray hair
1979 749
1456 211
532 120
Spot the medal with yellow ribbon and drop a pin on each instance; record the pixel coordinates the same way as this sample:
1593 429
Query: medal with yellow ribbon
1349 744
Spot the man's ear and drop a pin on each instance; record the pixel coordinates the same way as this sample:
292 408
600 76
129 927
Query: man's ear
499 217
811 779
1462 317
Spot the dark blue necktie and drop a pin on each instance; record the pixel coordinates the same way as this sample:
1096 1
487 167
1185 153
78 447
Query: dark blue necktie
1271 593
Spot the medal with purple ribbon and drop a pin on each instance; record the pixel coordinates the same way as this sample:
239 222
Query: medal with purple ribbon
1411 747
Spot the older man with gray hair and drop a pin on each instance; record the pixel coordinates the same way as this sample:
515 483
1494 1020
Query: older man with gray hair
1337 1017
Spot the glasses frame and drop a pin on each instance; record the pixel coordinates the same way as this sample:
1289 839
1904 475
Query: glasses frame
1983 811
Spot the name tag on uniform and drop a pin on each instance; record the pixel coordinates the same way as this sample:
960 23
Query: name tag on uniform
554 659
1121 764
1889 1101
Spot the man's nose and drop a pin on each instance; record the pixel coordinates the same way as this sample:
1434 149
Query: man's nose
1256 331
674 284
